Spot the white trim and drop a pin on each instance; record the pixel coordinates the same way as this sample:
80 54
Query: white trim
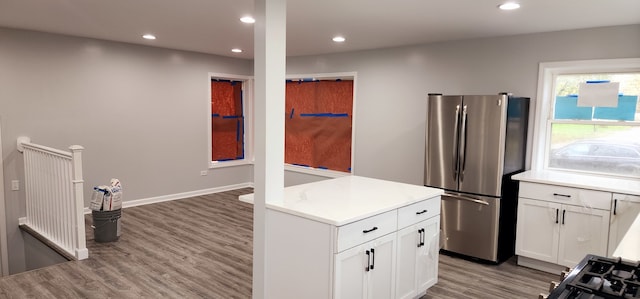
247 107
331 76
231 163
176 196
315 171
547 73
4 254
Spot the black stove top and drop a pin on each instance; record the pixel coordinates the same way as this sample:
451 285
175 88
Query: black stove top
598 277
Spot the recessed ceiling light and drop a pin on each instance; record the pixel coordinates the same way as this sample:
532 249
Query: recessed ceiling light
509 6
339 39
248 20
236 50
149 36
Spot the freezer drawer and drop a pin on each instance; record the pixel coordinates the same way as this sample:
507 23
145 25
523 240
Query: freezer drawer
470 225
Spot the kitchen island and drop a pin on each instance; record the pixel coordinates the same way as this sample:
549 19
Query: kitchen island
352 237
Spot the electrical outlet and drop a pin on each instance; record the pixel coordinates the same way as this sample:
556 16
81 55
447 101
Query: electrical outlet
15 185
203 173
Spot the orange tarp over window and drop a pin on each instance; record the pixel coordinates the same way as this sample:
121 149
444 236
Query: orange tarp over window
227 123
318 122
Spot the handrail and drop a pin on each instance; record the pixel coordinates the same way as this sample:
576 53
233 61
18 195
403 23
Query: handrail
54 195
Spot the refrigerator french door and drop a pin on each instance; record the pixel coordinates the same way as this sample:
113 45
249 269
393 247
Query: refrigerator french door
474 143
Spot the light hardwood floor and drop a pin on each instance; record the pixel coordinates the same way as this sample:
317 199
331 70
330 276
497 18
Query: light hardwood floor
201 248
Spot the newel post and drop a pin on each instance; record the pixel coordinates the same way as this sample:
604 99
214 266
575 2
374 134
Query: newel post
80 245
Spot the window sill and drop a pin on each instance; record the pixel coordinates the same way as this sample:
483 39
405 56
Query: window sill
223 164
316 171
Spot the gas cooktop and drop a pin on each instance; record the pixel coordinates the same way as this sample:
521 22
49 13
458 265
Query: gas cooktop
598 277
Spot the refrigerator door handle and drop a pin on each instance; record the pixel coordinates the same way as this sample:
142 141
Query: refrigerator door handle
468 198
463 143
454 157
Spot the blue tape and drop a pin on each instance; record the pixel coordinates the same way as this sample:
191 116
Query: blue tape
304 165
232 116
322 167
349 169
291 115
215 115
597 81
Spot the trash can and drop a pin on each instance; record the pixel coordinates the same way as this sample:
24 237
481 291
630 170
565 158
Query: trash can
106 225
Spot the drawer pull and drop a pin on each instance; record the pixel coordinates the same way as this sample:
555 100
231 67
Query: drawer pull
563 195
369 230
368 261
615 206
557 212
373 259
563 211
421 212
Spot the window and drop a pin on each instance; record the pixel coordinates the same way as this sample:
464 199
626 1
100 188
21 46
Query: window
580 128
228 120
318 124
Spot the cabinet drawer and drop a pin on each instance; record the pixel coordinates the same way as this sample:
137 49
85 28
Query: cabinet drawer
367 229
417 212
566 195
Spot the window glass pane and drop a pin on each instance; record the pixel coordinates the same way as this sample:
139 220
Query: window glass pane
566 98
227 120
610 149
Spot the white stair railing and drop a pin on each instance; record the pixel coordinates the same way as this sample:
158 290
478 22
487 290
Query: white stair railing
54 196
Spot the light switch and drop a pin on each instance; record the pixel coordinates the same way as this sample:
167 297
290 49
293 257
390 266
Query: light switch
15 185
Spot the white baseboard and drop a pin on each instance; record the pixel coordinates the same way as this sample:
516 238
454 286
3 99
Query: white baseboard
170 197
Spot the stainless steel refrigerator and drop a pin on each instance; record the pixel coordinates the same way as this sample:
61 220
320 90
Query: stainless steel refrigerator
473 146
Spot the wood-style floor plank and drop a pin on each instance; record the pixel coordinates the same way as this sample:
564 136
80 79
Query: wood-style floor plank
201 247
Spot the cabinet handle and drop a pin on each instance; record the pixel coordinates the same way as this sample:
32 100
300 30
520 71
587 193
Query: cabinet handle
615 206
420 243
563 195
373 259
563 211
422 238
369 230
421 212
557 212
368 261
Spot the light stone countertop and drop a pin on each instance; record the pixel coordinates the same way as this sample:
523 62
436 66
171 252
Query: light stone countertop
347 199
592 182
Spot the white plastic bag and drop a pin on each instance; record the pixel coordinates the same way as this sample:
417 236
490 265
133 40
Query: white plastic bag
107 198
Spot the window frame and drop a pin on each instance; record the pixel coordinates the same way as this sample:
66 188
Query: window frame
547 75
327 172
247 107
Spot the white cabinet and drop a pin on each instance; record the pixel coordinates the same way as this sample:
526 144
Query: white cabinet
624 230
560 225
367 270
307 258
417 264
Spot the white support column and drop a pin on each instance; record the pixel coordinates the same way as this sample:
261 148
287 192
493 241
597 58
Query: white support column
269 71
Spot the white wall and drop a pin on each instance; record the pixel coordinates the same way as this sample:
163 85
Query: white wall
393 84
140 112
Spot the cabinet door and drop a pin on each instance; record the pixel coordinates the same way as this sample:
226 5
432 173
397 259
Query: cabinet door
624 231
350 273
382 278
406 275
538 229
367 270
417 262
583 231
427 265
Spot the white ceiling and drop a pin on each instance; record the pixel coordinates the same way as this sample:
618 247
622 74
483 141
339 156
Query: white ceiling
213 26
